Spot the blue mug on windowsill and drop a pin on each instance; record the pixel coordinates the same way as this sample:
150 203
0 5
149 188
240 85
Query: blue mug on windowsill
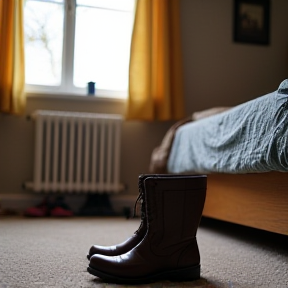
91 88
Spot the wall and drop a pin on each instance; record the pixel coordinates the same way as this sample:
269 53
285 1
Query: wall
216 72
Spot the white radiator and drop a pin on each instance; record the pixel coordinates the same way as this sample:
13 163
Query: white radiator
76 152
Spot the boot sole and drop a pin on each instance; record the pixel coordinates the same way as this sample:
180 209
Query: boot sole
179 275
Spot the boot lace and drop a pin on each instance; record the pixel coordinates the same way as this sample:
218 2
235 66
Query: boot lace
141 199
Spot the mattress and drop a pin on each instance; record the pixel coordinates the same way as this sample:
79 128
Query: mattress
249 138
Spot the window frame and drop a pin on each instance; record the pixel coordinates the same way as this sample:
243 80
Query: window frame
67 86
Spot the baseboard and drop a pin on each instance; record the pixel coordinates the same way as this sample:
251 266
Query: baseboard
18 203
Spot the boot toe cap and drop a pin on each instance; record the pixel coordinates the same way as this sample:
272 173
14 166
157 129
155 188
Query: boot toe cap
96 249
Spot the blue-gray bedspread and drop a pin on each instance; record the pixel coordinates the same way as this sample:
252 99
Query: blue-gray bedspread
251 137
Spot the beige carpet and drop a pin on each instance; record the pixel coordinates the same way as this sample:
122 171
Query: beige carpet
52 253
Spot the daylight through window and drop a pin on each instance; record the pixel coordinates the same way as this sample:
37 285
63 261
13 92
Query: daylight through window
69 43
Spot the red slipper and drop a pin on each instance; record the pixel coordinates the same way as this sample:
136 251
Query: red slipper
61 212
41 210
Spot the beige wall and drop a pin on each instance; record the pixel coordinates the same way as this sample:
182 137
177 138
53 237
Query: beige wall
216 72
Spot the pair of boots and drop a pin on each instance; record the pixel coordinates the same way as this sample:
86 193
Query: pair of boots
165 246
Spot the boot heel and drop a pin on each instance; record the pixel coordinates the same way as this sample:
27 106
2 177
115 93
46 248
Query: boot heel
186 274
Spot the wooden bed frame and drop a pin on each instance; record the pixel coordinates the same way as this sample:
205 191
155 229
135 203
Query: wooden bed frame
256 200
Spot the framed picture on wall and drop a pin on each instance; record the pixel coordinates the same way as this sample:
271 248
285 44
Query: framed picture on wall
252 21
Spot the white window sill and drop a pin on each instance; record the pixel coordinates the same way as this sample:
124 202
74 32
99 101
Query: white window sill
74 97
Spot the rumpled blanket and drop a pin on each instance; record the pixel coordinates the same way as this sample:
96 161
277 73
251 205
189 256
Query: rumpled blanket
249 138
160 155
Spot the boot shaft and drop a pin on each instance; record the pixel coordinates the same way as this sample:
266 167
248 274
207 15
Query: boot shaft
174 208
141 189
141 197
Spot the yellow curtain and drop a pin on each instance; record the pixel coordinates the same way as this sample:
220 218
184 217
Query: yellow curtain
12 71
155 75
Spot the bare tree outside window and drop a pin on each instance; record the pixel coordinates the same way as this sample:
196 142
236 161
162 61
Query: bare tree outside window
43 42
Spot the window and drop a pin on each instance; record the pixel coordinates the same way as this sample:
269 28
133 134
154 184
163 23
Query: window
69 43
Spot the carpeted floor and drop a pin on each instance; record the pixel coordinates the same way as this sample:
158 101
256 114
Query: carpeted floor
52 253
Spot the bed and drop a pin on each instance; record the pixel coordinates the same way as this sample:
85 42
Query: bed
244 152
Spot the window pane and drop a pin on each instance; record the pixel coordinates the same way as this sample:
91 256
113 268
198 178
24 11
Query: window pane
43 41
125 5
102 47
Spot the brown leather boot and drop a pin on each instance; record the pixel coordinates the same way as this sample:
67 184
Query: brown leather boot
138 235
169 250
